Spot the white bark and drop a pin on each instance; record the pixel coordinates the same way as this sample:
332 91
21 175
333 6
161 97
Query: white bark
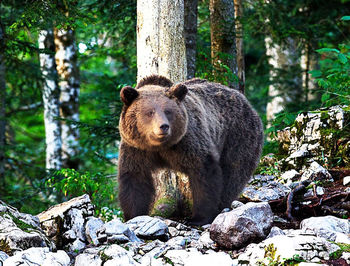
51 101
66 62
160 39
279 58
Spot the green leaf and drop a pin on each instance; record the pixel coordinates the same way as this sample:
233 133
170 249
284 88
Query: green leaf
328 50
345 18
342 58
325 97
315 73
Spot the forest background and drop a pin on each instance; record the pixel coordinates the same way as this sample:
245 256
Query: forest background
296 59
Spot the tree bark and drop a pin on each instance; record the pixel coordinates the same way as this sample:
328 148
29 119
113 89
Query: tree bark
68 72
191 13
239 44
280 58
160 39
51 95
308 62
223 48
161 50
2 107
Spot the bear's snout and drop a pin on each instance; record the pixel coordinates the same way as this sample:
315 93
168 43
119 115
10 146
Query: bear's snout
164 129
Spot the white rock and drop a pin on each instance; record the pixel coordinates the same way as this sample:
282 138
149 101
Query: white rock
38 256
192 257
329 227
346 180
92 226
205 241
316 172
319 191
116 231
119 255
235 204
346 256
275 231
148 227
290 176
309 248
3 256
88 260
179 241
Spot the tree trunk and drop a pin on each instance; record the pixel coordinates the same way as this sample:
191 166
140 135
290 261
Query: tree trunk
161 50
239 44
51 95
68 72
308 62
223 48
191 12
280 58
2 107
160 39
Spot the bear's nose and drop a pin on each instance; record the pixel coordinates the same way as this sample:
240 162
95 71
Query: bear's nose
164 128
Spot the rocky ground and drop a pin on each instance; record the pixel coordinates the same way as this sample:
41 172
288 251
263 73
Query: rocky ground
294 212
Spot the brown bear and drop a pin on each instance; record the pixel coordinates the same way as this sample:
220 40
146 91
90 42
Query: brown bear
205 130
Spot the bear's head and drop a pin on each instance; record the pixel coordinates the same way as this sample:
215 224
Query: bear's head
153 116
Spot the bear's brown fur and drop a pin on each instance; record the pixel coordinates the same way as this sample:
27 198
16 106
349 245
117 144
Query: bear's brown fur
205 130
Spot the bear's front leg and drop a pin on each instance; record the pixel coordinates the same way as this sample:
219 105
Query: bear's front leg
206 185
136 188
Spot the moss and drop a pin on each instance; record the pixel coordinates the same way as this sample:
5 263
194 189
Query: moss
20 224
169 208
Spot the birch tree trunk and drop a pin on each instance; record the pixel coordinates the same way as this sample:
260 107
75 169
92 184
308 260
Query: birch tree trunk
191 13
51 94
222 32
160 39
280 58
2 107
161 50
239 44
68 72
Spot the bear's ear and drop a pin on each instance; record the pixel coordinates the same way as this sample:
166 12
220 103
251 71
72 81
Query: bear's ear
179 91
128 94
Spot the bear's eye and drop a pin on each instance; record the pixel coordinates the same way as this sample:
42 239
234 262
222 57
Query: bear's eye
150 113
167 112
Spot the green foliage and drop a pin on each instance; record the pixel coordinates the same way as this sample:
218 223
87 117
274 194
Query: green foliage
269 170
100 188
334 75
107 214
270 256
5 247
343 248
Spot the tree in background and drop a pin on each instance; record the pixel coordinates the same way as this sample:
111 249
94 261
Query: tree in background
191 12
2 107
68 72
51 93
282 58
160 39
223 47
239 44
